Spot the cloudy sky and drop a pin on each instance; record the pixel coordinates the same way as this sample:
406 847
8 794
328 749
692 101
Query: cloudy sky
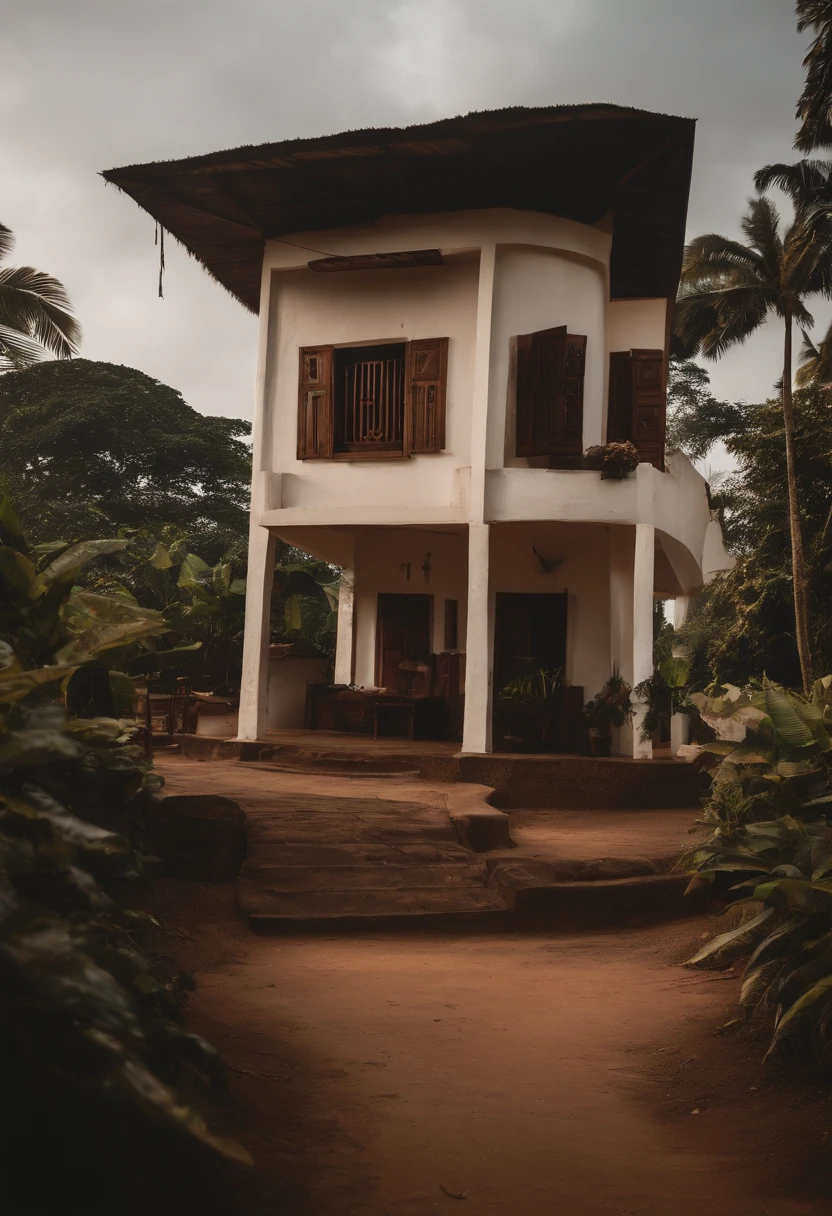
92 84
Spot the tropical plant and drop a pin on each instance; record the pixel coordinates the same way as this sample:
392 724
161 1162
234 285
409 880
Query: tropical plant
814 108
611 707
727 291
93 1048
35 314
614 460
90 448
768 819
666 692
744 622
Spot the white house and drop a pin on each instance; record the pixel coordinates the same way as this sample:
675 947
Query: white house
450 314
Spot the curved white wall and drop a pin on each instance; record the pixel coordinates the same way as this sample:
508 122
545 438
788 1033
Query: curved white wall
537 288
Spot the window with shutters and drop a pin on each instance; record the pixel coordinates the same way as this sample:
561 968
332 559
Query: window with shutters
637 402
372 402
550 396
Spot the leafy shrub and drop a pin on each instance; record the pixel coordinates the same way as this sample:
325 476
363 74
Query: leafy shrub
92 1041
768 815
611 706
613 460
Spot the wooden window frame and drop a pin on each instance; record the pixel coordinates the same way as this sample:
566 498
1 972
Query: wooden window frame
637 402
423 408
549 407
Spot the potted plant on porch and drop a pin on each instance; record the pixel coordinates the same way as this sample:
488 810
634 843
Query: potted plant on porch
610 707
529 706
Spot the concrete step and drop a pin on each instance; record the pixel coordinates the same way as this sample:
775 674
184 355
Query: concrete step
282 879
351 853
413 908
592 905
274 831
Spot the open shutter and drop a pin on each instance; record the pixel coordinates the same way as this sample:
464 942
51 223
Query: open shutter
649 405
569 443
315 407
620 403
541 390
426 391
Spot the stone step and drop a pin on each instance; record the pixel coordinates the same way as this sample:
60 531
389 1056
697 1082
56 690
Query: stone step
592 905
279 879
390 908
353 853
274 831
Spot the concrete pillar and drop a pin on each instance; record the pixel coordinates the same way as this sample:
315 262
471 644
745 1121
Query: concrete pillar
621 547
345 635
479 644
254 690
679 723
643 560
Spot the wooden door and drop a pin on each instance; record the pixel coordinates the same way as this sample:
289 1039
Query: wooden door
404 623
529 633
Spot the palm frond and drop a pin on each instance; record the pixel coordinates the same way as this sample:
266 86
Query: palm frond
815 361
6 240
814 108
807 183
761 225
37 305
17 351
718 254
717 318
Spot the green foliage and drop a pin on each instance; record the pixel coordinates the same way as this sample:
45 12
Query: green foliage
665 693
91 447
614 460
814 108
35 314
535 687
695 419
744 623
612 706
92 1043
768 818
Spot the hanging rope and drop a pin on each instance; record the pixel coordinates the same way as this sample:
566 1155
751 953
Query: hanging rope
161 262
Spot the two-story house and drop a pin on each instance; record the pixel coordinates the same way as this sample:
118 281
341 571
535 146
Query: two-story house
450 314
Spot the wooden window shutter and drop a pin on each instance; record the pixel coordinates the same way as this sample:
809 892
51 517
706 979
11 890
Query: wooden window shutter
570 443
426 392
649 405
315 407
620 401
541 389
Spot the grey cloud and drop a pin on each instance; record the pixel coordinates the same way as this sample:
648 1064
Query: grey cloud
95 83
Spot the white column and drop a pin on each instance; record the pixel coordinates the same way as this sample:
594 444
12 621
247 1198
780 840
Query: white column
254 690
643 560
479 644
621 548
679 723
345 636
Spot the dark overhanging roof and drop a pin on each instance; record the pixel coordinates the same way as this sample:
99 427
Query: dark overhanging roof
579 162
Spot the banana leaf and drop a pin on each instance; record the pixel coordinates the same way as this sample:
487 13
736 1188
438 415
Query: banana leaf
727 947
80 555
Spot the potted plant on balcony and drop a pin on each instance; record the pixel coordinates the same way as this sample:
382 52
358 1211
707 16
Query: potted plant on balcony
610 707
615 461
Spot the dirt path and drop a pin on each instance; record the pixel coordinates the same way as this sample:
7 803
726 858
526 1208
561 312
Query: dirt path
535 1076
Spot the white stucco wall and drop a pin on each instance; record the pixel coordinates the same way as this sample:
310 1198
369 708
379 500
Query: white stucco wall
636 324
359 307
537 288
379 557
584 574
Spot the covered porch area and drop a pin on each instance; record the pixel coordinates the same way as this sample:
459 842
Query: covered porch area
437 625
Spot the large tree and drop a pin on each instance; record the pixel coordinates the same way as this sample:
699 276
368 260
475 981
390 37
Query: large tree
728 290
744 625
89 448
814 108
35 314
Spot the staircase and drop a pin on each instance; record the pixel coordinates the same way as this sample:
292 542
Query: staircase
317 861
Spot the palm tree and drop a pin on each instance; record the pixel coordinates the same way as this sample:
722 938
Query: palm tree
815 362
814 108
35 314
727 290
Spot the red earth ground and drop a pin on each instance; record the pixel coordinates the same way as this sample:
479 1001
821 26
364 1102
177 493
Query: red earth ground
500 1075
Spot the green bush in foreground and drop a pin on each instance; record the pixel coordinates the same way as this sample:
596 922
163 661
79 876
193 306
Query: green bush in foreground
768 815
93 1050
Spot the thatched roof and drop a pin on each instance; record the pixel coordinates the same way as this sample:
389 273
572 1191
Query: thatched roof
579 162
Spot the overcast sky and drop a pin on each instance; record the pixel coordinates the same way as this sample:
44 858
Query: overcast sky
92 84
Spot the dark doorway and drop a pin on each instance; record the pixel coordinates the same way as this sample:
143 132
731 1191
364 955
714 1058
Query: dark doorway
403 634
529 633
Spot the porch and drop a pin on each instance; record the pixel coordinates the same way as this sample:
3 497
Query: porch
568 782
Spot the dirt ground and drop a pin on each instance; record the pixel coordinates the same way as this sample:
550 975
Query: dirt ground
498 1075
